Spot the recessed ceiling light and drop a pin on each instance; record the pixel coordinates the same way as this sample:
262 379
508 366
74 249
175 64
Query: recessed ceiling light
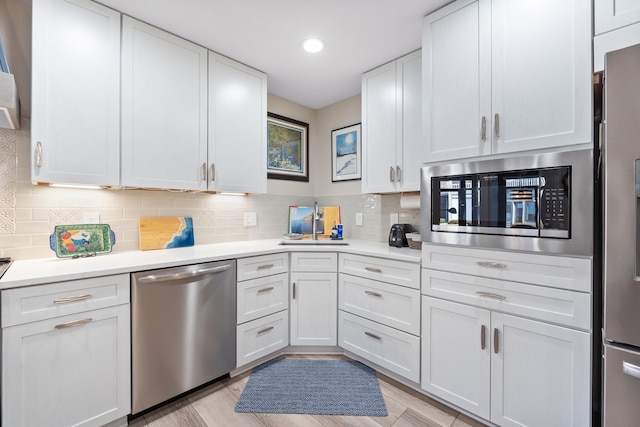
313 45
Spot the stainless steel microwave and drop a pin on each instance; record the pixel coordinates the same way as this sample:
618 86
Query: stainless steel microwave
540 203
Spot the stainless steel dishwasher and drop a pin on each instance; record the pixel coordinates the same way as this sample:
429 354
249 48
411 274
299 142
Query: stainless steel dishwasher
182 329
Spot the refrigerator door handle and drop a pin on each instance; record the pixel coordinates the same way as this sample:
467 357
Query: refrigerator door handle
631 370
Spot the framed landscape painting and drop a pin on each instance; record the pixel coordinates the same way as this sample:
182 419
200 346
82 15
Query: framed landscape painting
346 153
287 148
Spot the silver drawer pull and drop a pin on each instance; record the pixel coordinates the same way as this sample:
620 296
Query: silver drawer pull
261 267
373 269
262 331
71 299
74 323
373 294
491 264
374 336
630 369
491 295
265 289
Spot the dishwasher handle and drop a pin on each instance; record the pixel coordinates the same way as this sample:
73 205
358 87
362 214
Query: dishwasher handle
183 275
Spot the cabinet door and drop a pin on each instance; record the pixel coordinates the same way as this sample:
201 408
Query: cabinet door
314 309
456 354
541 74
237 132
75 111
379 129
614 14
57 374
540 374
164 109
410 147
456 71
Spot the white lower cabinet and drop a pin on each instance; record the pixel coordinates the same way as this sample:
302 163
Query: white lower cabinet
261 337
314 299
379 317
507 369
263 302
387 347
70 370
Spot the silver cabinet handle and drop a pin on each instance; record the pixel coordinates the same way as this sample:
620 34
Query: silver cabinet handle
373 269
374 336
204 171
491 264
39 154
392 174
398 174
263 266
294 290
213 172
483 337
496 340
491 295
265 289
71 299
184 275
483 129
496 125
262 331
631 370
373 294
74 323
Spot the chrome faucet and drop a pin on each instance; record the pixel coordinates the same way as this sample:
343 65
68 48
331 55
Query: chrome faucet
314 222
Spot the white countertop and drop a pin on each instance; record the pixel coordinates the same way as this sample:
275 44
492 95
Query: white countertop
48 270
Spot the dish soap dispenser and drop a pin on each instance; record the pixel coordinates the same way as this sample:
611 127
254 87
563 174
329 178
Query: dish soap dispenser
334 231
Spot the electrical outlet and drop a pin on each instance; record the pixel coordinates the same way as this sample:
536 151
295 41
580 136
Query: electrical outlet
359 218
250 219
91 217
393 218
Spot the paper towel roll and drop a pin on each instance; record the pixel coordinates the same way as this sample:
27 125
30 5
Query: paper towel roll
409 202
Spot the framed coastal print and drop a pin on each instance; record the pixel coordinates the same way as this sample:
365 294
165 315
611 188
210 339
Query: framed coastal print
346 153
287 148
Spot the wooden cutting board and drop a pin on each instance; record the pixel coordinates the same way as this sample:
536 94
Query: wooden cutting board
165 232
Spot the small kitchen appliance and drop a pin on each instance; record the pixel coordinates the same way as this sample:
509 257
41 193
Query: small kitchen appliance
398 235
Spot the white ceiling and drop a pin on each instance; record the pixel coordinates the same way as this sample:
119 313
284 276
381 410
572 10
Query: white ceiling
267 35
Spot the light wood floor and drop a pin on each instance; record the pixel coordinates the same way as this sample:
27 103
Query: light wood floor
214 406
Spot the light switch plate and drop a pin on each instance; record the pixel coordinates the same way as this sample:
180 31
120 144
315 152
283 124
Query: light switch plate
250 219
393 218
359 218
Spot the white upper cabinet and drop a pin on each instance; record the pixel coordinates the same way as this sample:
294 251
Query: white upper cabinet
614 14
164 109
504 76
391 126
616 26
75 121
237 127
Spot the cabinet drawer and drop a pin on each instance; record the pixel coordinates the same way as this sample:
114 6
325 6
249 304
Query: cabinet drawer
547 270
261 337
261 266
263 296
392 271
394 350
314 261
29 304
548 304
391 305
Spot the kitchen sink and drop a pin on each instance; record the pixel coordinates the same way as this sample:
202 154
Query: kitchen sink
323 242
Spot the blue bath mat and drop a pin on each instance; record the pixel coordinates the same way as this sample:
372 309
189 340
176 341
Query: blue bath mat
307 386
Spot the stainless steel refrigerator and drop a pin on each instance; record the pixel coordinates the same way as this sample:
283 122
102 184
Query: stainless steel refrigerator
621 237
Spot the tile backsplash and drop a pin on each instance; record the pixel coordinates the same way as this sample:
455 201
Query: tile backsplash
28 213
